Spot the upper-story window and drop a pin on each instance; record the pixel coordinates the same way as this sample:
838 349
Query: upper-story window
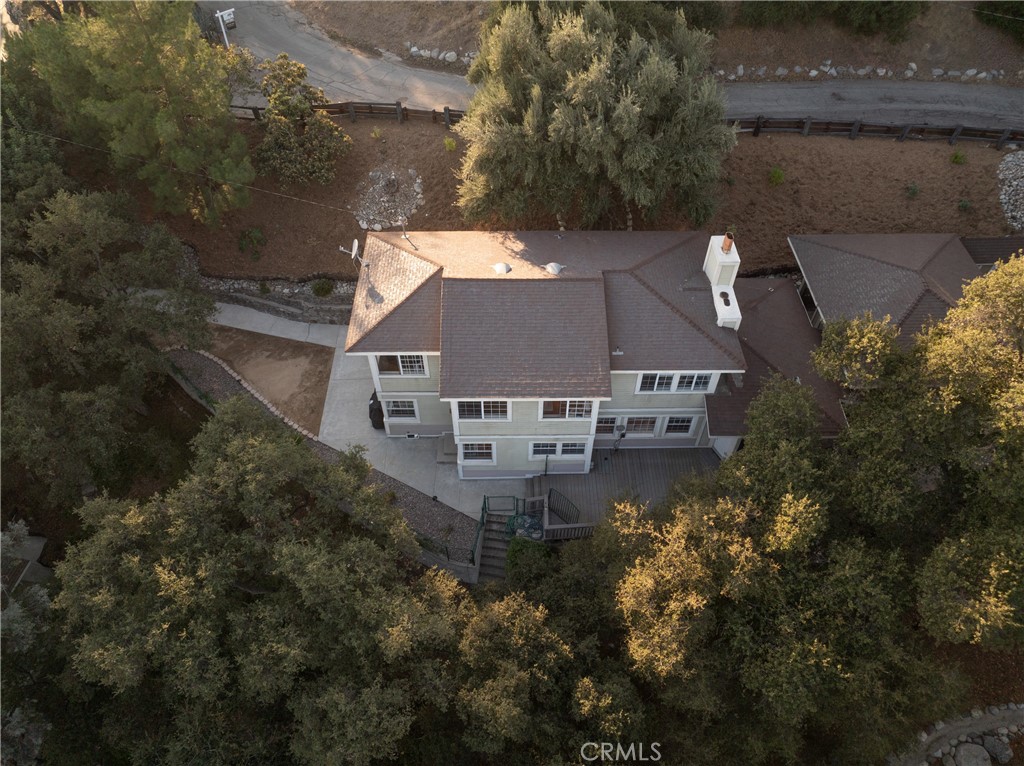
666 382
566 409
402 364
485 409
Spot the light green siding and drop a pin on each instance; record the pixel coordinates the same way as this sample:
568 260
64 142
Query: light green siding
406 383
623 398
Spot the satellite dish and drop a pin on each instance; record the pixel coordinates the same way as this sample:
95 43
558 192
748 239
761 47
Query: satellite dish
355 250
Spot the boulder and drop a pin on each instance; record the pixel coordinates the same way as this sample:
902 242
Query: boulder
450 56
435 53
739 70
969 754
781 71
912 66
813 73
971 72
938 72
998 749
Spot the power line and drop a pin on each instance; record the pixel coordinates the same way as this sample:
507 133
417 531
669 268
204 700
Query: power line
1000 15
198 174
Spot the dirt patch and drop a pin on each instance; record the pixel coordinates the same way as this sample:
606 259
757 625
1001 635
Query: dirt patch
830 185
447 26
291 374
995 676
947 36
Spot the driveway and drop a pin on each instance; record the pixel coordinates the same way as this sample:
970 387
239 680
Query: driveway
268 28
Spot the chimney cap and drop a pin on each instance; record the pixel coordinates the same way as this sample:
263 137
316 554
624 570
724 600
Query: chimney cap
727 241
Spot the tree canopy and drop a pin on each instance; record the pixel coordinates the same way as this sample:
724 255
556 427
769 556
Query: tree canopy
573 119
139 80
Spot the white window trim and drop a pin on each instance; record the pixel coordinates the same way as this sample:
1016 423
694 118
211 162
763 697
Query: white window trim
673 377
678 434
472 461
392 419
540 410
641 434
712 383
401 374
558 450
482 419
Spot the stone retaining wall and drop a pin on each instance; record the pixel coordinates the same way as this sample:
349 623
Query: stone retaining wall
979 738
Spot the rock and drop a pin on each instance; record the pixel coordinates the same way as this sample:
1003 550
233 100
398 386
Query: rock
833 72
962 738
976 712
953 73
761 70
947 760
435 53
414 51
997 749
720 73
1014 729
377 227
731 77
842 69
362 224
451 56
781 71
923 736
827 64
813 73
408 45
880 71
863 70
969 754
739 70
937 755
938 72
982 75
912 66
908 74
971 72
993 710
940 725
798 69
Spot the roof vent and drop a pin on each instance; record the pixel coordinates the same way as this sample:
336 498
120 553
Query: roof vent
554 268
501 268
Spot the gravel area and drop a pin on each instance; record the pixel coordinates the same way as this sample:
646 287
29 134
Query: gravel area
1011 188
210 383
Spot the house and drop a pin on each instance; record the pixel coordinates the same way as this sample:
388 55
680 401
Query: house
529 350
911 278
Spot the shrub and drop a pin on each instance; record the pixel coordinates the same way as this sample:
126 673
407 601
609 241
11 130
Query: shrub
264 287
964 205
869 17
958 158
449 144
251 240
527 563
709 16
912 191
376 134
776 177
323 287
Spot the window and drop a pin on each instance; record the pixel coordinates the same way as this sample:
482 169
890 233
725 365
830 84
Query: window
478 452
679 425
606 425
400 408
401 364
540 449
656 381
640 425
483 410
545 450
694 382
666 382
572 409
574 448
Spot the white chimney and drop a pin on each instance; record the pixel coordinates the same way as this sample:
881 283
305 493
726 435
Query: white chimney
727 307
722 263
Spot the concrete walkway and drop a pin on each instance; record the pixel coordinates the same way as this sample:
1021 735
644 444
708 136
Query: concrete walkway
346 423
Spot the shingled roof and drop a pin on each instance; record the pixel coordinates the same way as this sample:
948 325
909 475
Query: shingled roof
909 277
530 332
776 338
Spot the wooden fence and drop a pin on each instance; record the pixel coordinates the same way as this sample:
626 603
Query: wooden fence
804 126
356 109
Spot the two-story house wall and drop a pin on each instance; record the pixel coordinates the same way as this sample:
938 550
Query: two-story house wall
532 349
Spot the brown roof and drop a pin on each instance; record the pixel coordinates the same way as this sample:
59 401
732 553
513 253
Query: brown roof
523 339
529 332
909 277
776 338
987 251
403 290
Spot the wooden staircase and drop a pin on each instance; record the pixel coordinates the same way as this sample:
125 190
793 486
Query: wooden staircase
495 547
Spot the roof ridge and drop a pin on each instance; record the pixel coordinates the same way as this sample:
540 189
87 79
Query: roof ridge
685 318
863 255
652 258
913 305
938 289
394 308
400 248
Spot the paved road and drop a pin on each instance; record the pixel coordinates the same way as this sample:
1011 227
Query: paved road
270 27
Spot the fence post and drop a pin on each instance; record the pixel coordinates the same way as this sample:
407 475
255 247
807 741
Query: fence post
757 125
854 129
905 133
398 110
1003 138
352 111
956 134
807 126
447 118
256 113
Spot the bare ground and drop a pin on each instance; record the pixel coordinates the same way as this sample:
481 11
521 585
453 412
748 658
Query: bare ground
831 185
291 374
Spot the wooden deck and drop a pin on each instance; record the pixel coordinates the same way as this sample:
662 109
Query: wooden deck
646 474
